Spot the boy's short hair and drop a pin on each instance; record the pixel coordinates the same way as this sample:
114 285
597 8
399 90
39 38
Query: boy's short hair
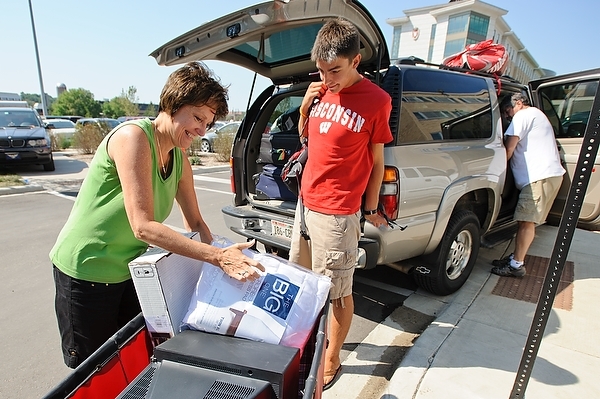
193 84
337 38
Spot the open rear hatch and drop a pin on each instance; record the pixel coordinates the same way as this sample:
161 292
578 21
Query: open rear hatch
274 38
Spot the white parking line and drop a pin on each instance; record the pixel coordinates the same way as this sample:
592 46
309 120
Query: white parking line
212 179
211 190
61 195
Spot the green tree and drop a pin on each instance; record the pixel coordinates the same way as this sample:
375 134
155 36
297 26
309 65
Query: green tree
77 102
130 101
151 110
123 105
33 98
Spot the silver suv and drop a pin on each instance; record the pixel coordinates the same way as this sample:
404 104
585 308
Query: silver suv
447 187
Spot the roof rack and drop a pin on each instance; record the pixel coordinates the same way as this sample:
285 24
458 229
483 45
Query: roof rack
412 60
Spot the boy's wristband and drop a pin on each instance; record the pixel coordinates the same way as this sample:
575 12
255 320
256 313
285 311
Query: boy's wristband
369 213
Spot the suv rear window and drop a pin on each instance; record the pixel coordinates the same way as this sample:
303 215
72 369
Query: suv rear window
276 48
443 106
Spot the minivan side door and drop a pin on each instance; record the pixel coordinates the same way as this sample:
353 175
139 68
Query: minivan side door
567 102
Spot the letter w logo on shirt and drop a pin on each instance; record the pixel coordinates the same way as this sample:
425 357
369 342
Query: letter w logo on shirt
324 127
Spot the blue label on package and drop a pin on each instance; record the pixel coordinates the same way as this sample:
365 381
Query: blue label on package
276 296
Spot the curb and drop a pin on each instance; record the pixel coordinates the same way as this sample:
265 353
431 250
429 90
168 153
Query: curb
20 189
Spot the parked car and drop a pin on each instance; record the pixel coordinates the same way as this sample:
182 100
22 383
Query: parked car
220 128
24 139
72 118
122 119
104 123
447 186
60 127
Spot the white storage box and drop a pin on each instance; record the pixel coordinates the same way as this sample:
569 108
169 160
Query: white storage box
164 283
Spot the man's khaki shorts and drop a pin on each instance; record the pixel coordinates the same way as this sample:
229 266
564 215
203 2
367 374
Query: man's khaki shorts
332 249
536 200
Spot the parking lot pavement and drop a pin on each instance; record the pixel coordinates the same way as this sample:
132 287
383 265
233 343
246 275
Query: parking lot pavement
70 172
474 346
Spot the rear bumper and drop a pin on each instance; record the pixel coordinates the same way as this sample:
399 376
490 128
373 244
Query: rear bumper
256 224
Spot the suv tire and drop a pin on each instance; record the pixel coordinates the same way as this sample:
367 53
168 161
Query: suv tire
453 260
49 167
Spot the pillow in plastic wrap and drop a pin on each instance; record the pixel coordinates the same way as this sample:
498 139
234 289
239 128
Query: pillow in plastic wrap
280 307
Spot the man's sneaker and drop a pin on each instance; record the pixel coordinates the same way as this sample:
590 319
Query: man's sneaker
503 261
507 271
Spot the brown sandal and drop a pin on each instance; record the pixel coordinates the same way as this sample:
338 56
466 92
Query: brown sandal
335 374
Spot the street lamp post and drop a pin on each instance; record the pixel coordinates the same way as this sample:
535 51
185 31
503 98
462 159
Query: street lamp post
37 57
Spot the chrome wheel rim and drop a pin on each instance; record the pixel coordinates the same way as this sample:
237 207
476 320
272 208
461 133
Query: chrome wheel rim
459 254
204 146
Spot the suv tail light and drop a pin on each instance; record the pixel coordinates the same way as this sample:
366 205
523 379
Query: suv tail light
389 193
231 178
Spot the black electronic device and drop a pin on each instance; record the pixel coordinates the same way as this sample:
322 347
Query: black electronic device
276 364
166 379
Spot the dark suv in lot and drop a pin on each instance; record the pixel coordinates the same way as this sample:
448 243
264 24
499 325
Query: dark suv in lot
24 138
446 187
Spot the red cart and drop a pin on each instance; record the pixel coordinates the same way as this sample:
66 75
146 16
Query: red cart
116 364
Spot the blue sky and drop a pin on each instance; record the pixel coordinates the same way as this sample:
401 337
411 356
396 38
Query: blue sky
103 46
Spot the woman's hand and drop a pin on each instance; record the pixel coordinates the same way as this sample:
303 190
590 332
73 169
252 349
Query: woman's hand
239 266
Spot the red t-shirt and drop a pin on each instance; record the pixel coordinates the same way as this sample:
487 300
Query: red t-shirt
340 128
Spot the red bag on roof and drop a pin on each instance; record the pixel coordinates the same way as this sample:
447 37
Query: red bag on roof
485 56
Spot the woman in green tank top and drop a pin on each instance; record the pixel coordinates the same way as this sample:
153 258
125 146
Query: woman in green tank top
139 169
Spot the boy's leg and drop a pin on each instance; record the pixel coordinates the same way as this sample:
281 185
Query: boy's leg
334 244
342 312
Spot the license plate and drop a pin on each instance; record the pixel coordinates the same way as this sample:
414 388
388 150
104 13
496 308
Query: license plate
12 155
280 229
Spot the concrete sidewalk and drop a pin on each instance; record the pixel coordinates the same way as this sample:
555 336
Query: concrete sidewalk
474 346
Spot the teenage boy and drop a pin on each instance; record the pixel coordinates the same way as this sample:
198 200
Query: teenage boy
346 130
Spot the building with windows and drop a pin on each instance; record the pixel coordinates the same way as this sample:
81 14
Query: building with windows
433 33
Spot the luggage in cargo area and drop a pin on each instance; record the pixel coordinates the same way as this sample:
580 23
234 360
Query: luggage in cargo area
277 148
269 184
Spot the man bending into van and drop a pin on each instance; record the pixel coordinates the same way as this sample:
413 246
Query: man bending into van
535 163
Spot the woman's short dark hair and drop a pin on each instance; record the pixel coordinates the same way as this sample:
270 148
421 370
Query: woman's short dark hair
193 84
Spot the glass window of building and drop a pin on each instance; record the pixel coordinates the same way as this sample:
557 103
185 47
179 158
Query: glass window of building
396 42
458 23
431 42
478 25
456 33
454 46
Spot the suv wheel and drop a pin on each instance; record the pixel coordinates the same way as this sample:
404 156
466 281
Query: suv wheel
452 262
49 167
204 146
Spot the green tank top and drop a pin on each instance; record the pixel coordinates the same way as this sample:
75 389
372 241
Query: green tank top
96 243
